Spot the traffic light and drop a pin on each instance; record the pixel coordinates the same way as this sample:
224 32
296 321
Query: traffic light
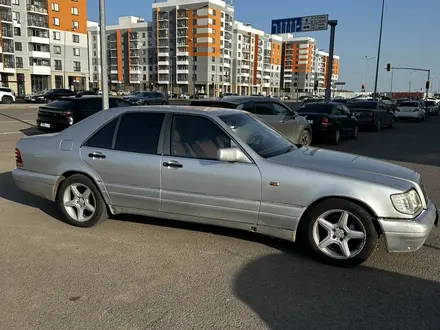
363 86
388 67
427 84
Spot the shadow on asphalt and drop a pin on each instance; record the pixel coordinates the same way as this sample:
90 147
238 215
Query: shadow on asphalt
10 191
31 131
291 292
407 142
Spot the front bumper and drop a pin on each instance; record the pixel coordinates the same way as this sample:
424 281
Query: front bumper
409 236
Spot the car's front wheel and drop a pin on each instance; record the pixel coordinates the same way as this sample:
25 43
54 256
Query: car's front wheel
339 232
81 202
7 100
305 139
355 133
336 137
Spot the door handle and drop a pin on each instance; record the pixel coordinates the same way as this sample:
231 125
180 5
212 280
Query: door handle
96 155
172 163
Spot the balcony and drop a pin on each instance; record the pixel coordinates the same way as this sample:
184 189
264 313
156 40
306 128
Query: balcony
164 71
180 53
186 62
162 27
5 3
39 40
37 9
7 49
163 18
163 82
182 26
182 15
182 71
37 23
6 17
163 63
165 54
135 54
39 54
7 33
39 69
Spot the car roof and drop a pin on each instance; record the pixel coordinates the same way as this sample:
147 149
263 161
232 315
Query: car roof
241 99
210 111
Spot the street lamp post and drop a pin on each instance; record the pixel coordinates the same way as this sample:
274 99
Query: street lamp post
103 41
378 50
73 29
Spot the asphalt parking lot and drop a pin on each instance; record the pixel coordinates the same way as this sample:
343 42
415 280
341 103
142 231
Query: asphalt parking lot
139 273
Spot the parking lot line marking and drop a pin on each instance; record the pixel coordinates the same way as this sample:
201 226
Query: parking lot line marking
14 121
30 113
11 117
7 133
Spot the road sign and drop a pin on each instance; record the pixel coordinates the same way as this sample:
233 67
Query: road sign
300 24
341 83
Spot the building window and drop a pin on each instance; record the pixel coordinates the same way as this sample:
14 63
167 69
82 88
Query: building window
56 21
55 6
57 49
16 2
19 62
94 38
94 46
17 31
58 65
16 16
75 38
75 25
95 61
18 46
76 52
75 11
56 35
77 66
94 53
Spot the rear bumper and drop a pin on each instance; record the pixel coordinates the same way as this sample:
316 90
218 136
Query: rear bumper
39 184
409 115
55 126
409 236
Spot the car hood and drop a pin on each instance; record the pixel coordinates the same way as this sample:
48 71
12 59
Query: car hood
351 165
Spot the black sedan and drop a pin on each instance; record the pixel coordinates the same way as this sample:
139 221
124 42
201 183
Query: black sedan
330 121
373 114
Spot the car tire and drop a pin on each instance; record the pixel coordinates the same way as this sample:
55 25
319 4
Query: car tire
329 241
378 126
336 137
164 103
81 202
392 123
7 100
355 135
145 103
305 138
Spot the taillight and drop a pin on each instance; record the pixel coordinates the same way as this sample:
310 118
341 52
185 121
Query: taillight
18 159
324 120
69 117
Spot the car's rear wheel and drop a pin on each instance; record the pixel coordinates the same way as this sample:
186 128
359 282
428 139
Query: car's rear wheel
81 202
336 137
7 100
305 138
355 134
378 126
391 125
339 232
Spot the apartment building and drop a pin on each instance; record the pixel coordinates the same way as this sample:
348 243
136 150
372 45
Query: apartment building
256 64
43 44
304 67
130 54
321 70
192 42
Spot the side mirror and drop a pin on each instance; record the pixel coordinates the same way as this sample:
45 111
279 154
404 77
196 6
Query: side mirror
232 155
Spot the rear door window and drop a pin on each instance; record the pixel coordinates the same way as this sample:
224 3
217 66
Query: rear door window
91 104
139 132
264 109
103 138
247 106
119 103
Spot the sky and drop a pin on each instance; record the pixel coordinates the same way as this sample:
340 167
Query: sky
411 34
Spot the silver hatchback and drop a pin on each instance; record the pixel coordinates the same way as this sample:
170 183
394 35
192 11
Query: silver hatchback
227 168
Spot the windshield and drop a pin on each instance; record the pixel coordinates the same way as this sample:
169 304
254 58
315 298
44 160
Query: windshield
363 105
316 107
263 139
430 103
409 104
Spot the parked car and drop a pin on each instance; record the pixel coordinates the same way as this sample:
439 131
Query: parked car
66 111
148 98
7 95
330 121
133 93
53 94
432 108
35 97
342 101
89 92
410 110
122 93
373 114
227 168
272 111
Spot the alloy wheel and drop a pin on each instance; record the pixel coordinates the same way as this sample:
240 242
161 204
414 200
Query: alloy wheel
339 234
305 139
79 202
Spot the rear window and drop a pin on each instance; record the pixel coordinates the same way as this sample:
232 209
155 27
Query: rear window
316 107
6 90
63 104
430 103
409 104
363 105
213 104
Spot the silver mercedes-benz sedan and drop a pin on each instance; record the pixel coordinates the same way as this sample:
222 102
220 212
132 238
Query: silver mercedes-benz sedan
227 168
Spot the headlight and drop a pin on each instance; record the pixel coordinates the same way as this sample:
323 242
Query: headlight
408 202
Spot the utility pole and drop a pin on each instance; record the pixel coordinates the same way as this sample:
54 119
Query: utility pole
104 66
328 89
378 51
